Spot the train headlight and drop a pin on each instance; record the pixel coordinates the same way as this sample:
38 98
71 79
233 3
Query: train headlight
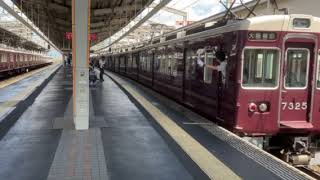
263 107
252 107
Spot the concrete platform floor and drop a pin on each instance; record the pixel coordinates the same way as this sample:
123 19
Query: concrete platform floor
131 147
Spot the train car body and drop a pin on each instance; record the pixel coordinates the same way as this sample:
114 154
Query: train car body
16 61
269 89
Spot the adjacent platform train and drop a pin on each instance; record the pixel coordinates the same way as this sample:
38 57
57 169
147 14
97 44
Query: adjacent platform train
268 91
16 61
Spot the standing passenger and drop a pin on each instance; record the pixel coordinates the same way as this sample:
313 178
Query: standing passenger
101 67
222 67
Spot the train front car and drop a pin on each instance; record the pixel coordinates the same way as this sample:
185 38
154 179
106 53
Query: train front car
279 96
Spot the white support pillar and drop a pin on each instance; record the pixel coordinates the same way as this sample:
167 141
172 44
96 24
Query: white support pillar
80 58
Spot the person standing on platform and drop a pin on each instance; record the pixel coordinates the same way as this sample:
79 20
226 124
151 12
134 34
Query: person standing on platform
101 67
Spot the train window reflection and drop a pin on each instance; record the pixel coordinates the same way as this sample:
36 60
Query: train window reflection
208 71
296 68
260 68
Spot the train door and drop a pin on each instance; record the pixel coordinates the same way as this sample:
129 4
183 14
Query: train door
297 86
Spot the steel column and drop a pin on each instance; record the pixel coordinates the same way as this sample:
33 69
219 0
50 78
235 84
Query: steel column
80 58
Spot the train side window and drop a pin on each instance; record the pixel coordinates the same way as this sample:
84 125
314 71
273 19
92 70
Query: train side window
134 61
11 58
172 61
191 58
5 58
260 68
318 77
297 68
207 78
149 59
157 60
129 61
174 64
2 58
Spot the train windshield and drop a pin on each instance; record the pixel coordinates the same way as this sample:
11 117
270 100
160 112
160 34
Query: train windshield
296 68
260 68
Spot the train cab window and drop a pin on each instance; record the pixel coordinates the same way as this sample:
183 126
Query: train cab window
296 68
207 78
260 68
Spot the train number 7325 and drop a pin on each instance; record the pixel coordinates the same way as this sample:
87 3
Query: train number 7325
294 106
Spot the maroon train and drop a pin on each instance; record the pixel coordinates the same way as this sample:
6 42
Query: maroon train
269 92
16 61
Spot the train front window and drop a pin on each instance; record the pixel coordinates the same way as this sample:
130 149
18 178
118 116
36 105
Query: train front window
296 68
260 68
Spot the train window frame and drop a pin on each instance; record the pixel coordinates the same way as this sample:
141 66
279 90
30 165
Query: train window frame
285 70
279 67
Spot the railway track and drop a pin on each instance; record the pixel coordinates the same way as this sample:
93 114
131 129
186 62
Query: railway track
311 171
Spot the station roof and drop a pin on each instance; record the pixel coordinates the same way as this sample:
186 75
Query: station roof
11 39
54 17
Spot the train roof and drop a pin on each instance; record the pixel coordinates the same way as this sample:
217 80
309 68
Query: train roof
19 51
291 22
288 23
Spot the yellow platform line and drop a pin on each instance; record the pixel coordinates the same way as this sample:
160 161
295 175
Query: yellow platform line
208 163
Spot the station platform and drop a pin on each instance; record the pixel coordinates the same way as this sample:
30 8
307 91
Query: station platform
134 134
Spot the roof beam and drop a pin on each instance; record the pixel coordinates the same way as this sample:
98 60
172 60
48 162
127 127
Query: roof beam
118 9
100 46
59 7
19 18
172 10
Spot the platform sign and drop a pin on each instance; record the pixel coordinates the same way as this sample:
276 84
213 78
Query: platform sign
68 35
93 36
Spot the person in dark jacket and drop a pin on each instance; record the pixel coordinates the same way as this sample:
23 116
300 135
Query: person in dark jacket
101 67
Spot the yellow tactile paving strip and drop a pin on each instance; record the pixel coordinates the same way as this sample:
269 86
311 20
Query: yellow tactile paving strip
209 164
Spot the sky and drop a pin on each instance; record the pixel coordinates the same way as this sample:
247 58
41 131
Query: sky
196 10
